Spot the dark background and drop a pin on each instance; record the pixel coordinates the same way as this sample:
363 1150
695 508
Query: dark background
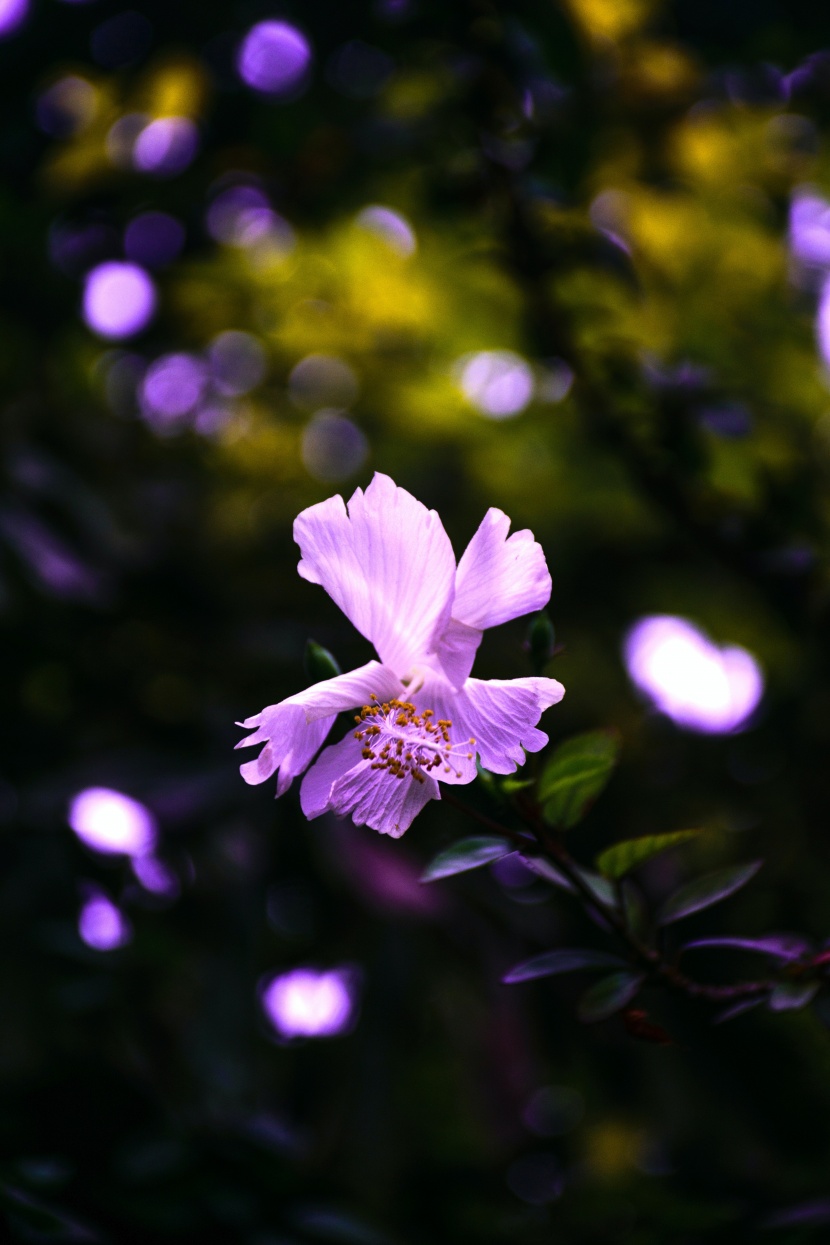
143 1094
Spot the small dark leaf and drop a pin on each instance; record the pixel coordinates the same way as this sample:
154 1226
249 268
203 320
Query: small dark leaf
703 892
575 775
466 854
562 960
789 996
620 859
609 995
785 947
318 662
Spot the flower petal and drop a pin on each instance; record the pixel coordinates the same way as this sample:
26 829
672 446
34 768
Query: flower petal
457 651
342 782
500 578
295 729
387 563
499 714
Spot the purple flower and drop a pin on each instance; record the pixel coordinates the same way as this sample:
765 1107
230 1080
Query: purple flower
389 565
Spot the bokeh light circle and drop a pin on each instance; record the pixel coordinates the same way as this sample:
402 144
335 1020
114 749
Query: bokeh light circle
308 1003
112 823
694 682
499 383
273 57
119 300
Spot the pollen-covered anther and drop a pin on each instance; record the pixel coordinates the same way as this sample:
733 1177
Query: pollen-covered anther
407 743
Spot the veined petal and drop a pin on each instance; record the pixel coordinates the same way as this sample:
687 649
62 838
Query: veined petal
499 714
500 577
457 650
387 563
295 729
342 782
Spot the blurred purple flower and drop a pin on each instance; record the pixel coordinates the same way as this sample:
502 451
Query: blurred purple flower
388 564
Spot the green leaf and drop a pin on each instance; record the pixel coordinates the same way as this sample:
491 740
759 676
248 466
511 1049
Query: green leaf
562 960
511 785
466 854
620 859
575 775
789 996
703 892
319 663
609 995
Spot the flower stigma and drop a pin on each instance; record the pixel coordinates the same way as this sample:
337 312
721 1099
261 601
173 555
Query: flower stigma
397 738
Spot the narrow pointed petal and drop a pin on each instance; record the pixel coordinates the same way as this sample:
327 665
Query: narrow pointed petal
294 730
500 577
500 715
387 563
343 783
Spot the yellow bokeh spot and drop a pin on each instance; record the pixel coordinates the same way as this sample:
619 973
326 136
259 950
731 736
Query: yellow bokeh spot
611 20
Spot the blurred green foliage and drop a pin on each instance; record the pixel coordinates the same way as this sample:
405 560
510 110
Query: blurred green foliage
601 187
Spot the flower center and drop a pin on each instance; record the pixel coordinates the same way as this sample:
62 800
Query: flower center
397 738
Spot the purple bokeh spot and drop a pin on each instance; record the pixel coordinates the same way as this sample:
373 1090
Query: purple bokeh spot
393 228
308 1003
110 822
172 387
154 239
54 565
119 300
333 447
273 58
102 926
166 146
809 227
66 106
687 677
498 382
156 877
823 323
12 14
237 363
321 380
242 216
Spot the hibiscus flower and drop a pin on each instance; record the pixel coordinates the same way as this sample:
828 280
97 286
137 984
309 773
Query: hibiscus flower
421 720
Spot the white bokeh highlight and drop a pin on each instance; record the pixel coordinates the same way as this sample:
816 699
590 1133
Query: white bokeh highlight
694 682
112 823
306 1002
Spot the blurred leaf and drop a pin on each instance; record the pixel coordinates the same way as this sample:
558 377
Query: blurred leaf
789 996
609 995
703 892
575 775
562 960
781 946
466 854
737 1009
511 785
620 859
319 664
